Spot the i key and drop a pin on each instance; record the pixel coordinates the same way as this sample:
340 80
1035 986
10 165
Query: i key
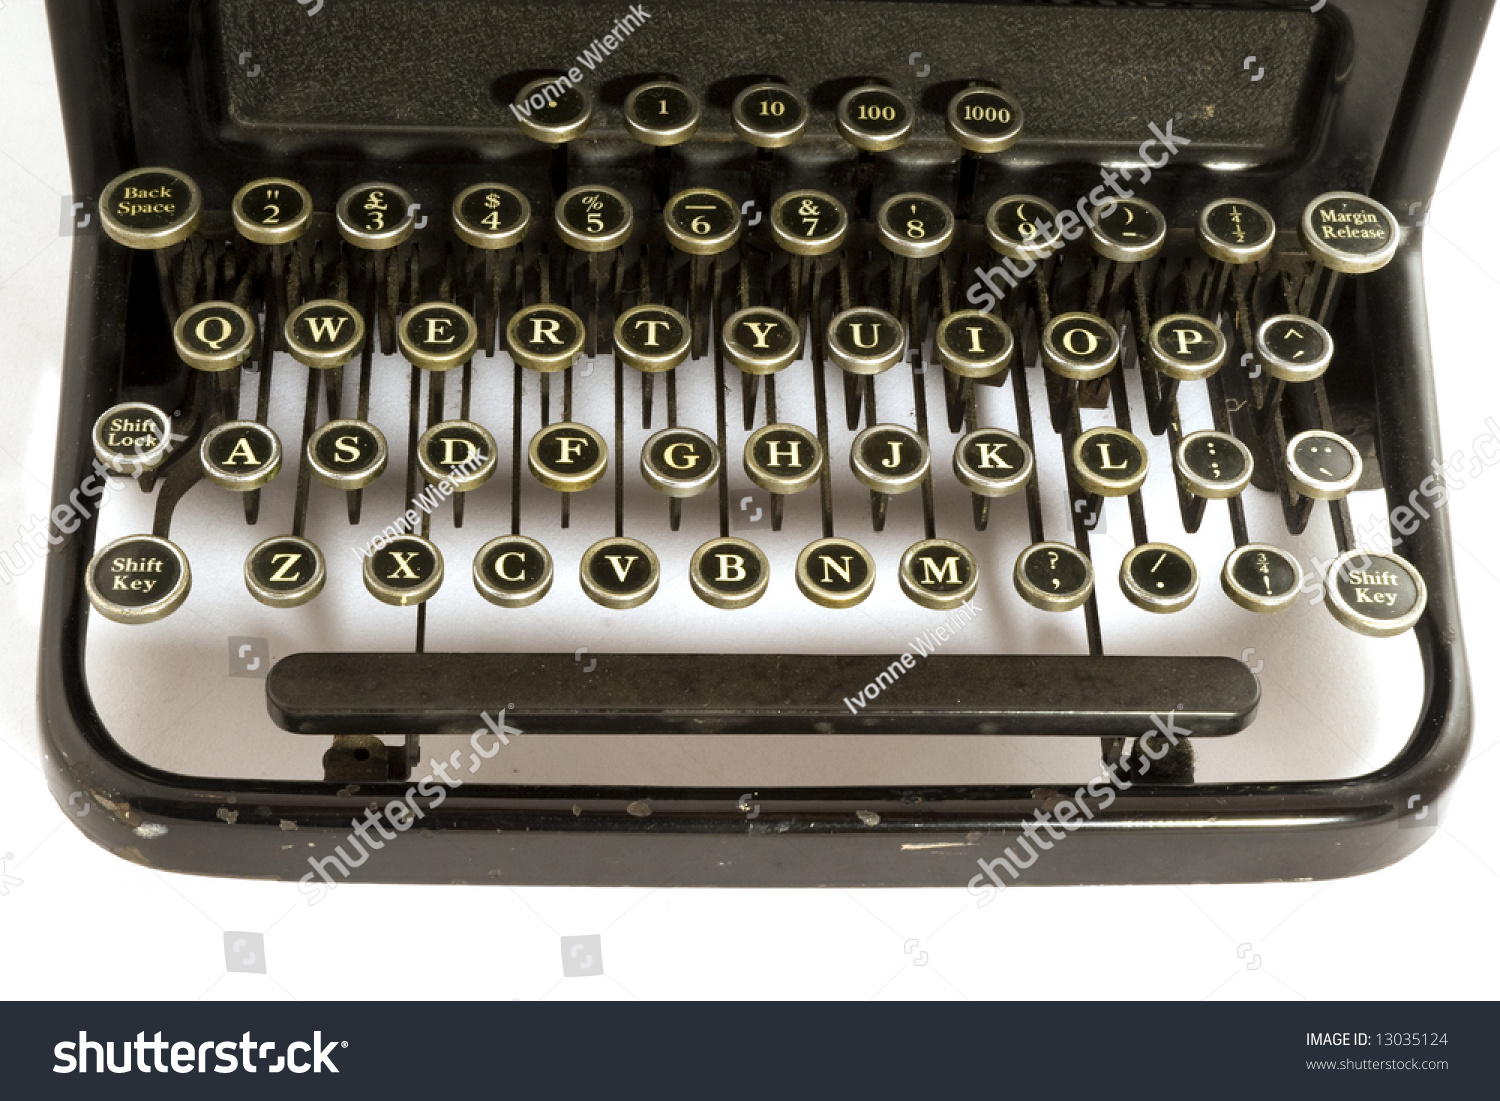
973 346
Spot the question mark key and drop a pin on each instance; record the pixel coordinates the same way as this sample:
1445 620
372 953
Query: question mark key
1054 577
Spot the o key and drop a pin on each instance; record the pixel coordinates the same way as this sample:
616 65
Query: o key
1080 346
729 573
939 574
619 573
138 579
1053 577
285 571
513 571
406 570
240 455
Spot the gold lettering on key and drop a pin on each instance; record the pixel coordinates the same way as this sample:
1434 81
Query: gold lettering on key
287 562
731 567
403 570
225 331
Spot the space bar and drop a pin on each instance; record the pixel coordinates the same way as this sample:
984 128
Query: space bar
410 693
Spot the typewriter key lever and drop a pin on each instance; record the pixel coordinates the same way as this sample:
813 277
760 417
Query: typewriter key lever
783 459
555 114
873 119
1234 233
155 209
1345 234
769 116
982 120
1211 466
662 114
889 459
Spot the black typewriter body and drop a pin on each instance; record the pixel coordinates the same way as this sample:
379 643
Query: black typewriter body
1356 97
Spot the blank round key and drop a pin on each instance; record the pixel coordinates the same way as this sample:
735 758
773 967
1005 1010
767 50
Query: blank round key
346 454
1214 465
783 458
1293 348
1080 346
1133 231
593 218
551 113
214 336
568 457
1379 595
889 458
769 116
491 216
1023 227
1322 465
240 455
376 216
874 118
993 462
984 119
1262 578
1186 347
939 574
619 573
680 462
437 336
458 451
866 341
285 571
835 572
1054 577
729 573
662 113
132 437
513 571
915 225
324 333
138 579
1349 233
1157 577
652 338
701 221
1110 461
1236 231
975 344
272 211
150 208
545 338
809 223
407 570
760 340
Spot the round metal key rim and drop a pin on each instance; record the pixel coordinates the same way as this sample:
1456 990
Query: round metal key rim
1183 371
1109 487
513 598
549 362
651 363
822 596
135 462
339 479
276 598
240 483
1074 366
871 141
717 597
1146 600
417 594
380 239
1218 248
620 601
701 245
436 474
969 364
1259 602
552 133
149 613
772 482
887 483
1289 370
769 137
1348 263
938 602
214 361
323 359
587 242
747 359
1351 618
1111 249
677 485
974 141
282 233
1214 491
986 486
462 351
570 482
918 248
858 361
174 234
1034 249
659 136
1323 490
487 239
809 246
1040 598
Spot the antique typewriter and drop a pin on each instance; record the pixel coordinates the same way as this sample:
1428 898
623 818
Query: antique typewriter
753 443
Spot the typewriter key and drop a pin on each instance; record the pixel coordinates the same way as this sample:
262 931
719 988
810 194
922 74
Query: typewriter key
652 338
1292 348
346 454
593 218
662 113
214 336
984 120
1023 227
836 573
150 208
809 223
406 570
680 462
1379 595
545 338
272 211
783 458
701 221
491 216
459 451
1323 465
1080 346
285 571
975 344
549 112
769 116
1187 348
1133 231
138 579
437 336
915 225
1236 231
619 573
1214 465
513 571
993 462
729 573
1349 233
939 574
874 118
376 215
1053 577
761 341
1262 578
132 437
1159 578
324 333
1110 462
889 458
240 455
866 341
568 457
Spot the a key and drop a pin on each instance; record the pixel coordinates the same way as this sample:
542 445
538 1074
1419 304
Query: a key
214 336
1380 595
150 208
285 571
513 571
459 452
1157 577
551 111
729 573
1214 465
138 579
939 574
701 221
406 571
652 339
983 119
272 211
240 455
491 216
619 573
783 458
376 216
437 336
324 333
568 457
874 118
769 116
545 338
1110 461
132 437
680 462
593 218
1322 465
346 454
1262 578
993 462
1054 577
662 113
835 572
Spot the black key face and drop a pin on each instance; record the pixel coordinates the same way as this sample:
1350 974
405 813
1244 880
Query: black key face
1191 342
916 222
1080 346
866 341
942 570
493 212
619 568
437 330
215 330
1110 457
662 109
680 454
326 326
1294 340
513 570
836 569
1131 224
974 344
550 104
1022 222
652 335
548 331
594 213
761 340
874 112
285 568
1324 457
149 202
769 111
1163 572
1266 572
130 434
1057 570
1379 590
138 573
406 563
891 451
984 117
702 221
728 567
375 210
1350 225
809 221
567 457
785 452
241 453
1212 459
1242 226
348 452
270 204
992 461
457 448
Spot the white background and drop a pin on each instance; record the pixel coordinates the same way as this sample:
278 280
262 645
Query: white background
79 923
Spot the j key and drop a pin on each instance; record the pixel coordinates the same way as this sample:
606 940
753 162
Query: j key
702 221
619 573
491 216
513 571
459 452
1262 578
437 336
568 457
761 341
939 574
545 338
889 458
809 223
285 571
138 579
553 112
874 118
729 573
1187 348
132 437
835 572
1110 462
346 454
1214 465
984 120
680 462
783 458
1236 231
1080 346
993 462
1379 595
1157 577
975 344
272 211
1133 231
1349 233
1054 577
240 455
376 216
593 218
866 341
652 338
1023 227
915 225
769 116
1322 465
214 336
407 570
150 208
662 113
1293 348
324 333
